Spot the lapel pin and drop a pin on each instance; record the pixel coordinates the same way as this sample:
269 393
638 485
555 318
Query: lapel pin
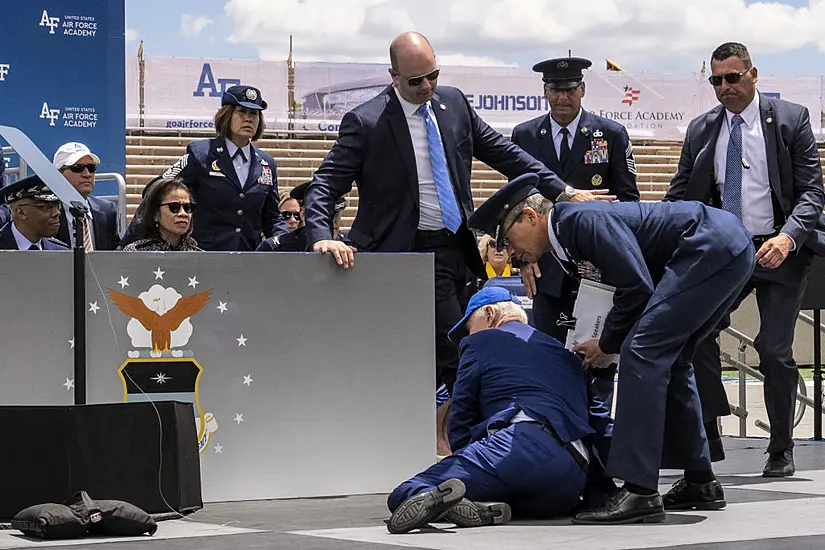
543 131
584 131
596 180
598 133
263 162
443 107
219 149
769 120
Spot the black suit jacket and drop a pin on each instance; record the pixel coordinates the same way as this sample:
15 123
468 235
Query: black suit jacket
793 166
374 150
618 174
104 224
7 241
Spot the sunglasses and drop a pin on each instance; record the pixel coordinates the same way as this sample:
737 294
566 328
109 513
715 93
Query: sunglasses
78 168
417 80
287 215
174 207
730 78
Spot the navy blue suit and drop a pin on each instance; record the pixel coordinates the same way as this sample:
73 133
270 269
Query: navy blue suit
104 224
677 268
230 216
374 150
504 371
555 291
795 179
8 242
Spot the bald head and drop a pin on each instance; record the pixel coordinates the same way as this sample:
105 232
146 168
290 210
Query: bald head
414 70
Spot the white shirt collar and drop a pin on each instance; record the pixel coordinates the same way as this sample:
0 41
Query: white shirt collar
409 108
750 115
231 148
554 240
22 242
555 127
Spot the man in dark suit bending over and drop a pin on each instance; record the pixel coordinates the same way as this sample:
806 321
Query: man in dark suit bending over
410 151
756 157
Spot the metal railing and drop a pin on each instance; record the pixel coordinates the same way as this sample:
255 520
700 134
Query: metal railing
740 364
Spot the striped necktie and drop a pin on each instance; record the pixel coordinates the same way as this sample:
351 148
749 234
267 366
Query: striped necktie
87 235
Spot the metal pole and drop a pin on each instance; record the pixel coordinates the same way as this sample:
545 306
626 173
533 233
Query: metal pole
817 377
141 84
79 258
743 392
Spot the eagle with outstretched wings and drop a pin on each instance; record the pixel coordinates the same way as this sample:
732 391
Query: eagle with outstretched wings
160 326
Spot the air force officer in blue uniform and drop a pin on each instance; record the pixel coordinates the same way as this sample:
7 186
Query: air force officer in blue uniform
518 426
588 152
677 268
233 182
410 151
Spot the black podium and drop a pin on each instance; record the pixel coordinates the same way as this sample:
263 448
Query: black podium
125 451
815 299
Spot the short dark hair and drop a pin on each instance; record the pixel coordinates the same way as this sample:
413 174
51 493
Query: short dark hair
145 223
732 49
223 122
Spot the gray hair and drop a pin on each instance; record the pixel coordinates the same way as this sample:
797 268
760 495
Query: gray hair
504 312
536 201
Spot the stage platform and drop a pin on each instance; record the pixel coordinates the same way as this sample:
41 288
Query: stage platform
761 514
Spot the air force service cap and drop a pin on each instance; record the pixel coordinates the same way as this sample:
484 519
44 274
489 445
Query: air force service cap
245 96
28 188
562 73
491 213
484 297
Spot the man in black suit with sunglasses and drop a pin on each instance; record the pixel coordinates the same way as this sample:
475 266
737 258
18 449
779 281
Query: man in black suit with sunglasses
78 165
756 157
410 151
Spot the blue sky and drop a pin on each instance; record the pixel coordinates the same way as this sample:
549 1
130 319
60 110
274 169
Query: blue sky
785 37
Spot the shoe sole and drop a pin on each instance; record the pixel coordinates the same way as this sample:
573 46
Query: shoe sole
478 514
658 517
424 508
704 505
771 474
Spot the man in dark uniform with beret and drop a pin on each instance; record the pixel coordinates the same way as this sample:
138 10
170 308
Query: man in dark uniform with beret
233 182
35 213
588 152
677 268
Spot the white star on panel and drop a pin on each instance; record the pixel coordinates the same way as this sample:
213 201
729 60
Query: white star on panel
161 378
93 307
69 383
158 274
238 418
124 282
241 341
218 448
222 307
248 380
71 343
193 282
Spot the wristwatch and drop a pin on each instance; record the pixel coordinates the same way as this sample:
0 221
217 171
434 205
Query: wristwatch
567 194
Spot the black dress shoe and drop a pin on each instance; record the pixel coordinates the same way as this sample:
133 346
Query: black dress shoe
421 509
476 514
779 465
625 507
701 496
717 450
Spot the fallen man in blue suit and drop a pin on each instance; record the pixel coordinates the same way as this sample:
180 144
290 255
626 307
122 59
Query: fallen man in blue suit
519 427
677 268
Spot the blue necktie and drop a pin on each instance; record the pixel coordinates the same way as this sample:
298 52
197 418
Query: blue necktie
450 214
732 192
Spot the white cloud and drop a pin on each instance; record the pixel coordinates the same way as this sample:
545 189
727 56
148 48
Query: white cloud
634 33
132 35
193 26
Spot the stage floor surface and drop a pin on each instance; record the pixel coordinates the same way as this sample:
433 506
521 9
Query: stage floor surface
761 514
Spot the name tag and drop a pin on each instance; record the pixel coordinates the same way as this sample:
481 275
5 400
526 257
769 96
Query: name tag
217 174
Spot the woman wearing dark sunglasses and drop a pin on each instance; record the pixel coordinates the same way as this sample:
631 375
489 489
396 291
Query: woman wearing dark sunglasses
233 182
164 222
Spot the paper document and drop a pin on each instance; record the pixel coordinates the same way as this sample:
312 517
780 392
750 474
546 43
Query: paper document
593 303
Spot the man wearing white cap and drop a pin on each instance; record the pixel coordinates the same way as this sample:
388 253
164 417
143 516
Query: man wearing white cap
78 165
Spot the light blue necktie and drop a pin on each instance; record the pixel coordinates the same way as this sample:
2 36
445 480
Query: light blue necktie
732 192
450 214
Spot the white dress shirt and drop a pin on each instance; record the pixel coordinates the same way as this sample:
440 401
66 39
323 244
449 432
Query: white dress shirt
240 162
757 206
429 208
22 242
555 129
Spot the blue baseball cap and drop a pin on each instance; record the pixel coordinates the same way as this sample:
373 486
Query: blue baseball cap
484 297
